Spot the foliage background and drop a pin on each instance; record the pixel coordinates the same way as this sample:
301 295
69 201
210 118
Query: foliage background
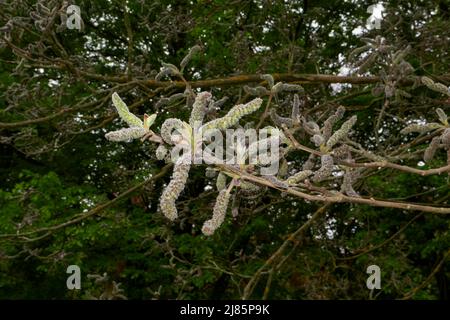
60 167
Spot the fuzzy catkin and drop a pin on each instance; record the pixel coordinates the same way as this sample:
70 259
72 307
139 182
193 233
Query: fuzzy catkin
442 116
269 79
279 120
161 152
125 113
219 211
164 72
329 123
342 132
189 56
221 182
257 91
342 153
349 179
234 115
311 127
292 87
125 134
325 170
435 86
199 108
295 114
310 162
317 139
172 191
445 138
420 128
167 128
299 176
250 189
218 103
431 149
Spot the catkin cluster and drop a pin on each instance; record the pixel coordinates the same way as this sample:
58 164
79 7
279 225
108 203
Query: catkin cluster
326 141
137 127
440 141
435 86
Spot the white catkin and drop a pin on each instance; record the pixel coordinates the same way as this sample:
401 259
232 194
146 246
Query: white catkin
257 91
219 211
221 182
168 126
124 112
292 87
435 86
199 108
311 127
349 179
126 134
173 189
420 128
342 132
161 152
442 116
249 188
234 115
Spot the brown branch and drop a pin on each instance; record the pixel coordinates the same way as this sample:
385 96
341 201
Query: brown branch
377 164
335 197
